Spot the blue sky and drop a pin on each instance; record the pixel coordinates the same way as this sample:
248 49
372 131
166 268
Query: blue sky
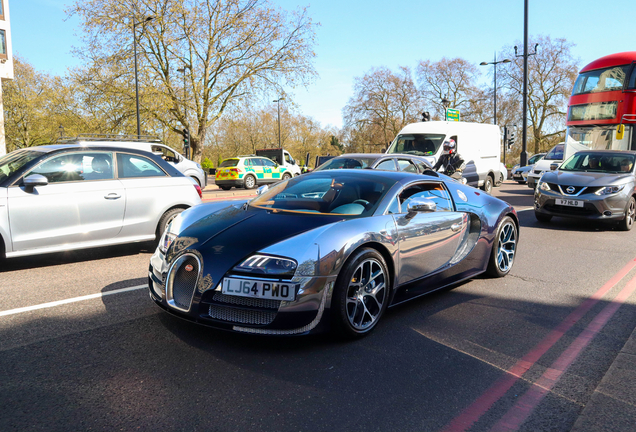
356 35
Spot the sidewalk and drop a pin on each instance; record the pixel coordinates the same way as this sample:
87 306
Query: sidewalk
612 406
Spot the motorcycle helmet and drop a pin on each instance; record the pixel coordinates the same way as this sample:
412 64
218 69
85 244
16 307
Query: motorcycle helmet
449 147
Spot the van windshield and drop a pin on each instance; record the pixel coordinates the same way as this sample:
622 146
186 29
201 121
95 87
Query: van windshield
418 144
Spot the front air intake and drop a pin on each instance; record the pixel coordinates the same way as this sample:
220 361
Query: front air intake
182 282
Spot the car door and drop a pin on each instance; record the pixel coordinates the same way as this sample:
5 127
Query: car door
271 171
82 203
426 241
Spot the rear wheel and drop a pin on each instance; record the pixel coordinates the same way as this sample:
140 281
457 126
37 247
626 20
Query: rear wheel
286 176
630 212
361 294
225 187
249 182
487 187
542 217
504 248
165 221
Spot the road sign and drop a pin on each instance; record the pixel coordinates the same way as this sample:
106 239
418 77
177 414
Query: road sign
452 114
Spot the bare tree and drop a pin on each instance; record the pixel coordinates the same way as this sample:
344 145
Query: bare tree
382 104
227 49
551 75
453 80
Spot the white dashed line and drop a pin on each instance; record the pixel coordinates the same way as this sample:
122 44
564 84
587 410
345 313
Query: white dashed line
71 300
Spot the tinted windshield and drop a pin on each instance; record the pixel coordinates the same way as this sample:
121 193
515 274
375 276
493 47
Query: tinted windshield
601 80
556 153
229 163
418 144
326 193
536 158
12 162
347 162
599 162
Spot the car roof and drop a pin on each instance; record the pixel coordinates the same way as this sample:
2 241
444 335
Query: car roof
609 152
397 176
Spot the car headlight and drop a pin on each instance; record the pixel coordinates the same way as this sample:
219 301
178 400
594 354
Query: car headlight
166 240
543 186
609 190
199 165
268 265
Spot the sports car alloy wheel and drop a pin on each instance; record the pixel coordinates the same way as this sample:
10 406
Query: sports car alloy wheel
366 294
361 294
503 251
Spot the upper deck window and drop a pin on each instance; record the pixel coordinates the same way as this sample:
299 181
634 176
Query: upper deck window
601 80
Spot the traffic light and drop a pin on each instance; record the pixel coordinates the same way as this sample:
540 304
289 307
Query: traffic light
426 116
186 138
511 138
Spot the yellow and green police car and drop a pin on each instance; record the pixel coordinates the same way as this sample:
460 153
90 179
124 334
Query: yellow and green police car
249 172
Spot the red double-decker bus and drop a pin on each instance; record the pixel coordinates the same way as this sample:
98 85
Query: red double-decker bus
602 108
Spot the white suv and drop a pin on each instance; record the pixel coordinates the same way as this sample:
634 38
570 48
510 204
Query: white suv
555 155
153 145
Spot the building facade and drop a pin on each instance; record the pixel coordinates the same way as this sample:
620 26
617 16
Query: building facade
6 63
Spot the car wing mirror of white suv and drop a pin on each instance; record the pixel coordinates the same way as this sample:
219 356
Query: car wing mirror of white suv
34 180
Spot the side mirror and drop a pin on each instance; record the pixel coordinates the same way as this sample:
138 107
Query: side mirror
261 190
34 180
420 205
553 167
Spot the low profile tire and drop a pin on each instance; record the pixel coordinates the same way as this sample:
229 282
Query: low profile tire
542 217
630 212
286 176
165 221
504 248
361 294
249 182
487 187
225 187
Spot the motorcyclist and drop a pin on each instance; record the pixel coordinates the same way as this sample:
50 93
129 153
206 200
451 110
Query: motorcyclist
451 161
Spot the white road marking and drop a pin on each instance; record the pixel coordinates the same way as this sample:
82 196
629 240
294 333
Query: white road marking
71 300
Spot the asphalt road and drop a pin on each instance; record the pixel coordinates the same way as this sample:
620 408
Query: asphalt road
524 352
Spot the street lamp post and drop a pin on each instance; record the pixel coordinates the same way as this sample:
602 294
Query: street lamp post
135 24
185 104
278 105
495 63
61 129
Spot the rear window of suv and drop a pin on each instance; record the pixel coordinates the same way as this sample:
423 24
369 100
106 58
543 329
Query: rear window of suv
229 163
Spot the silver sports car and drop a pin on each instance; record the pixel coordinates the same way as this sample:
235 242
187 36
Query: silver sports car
330 249
596 185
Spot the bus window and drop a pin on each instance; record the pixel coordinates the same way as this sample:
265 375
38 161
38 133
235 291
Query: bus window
601 80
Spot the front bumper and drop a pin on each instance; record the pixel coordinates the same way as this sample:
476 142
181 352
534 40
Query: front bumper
595 207
212 308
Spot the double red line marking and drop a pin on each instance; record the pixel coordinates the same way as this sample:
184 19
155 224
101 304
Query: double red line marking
513 419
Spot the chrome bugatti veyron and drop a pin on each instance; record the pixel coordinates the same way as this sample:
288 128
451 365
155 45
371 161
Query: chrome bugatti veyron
330 249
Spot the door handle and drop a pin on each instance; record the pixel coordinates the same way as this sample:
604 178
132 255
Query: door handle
456 227
112 196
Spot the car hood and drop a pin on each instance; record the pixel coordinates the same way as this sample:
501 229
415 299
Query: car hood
523 169
226 237
585 178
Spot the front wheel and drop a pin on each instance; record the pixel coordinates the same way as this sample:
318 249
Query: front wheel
488 185
627 223
165 221
361 294
504 248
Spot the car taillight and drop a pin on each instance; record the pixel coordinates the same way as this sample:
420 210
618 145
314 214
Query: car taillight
236 170
198 188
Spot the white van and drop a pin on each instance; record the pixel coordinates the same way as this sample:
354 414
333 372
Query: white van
187 167
281 157
477 143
